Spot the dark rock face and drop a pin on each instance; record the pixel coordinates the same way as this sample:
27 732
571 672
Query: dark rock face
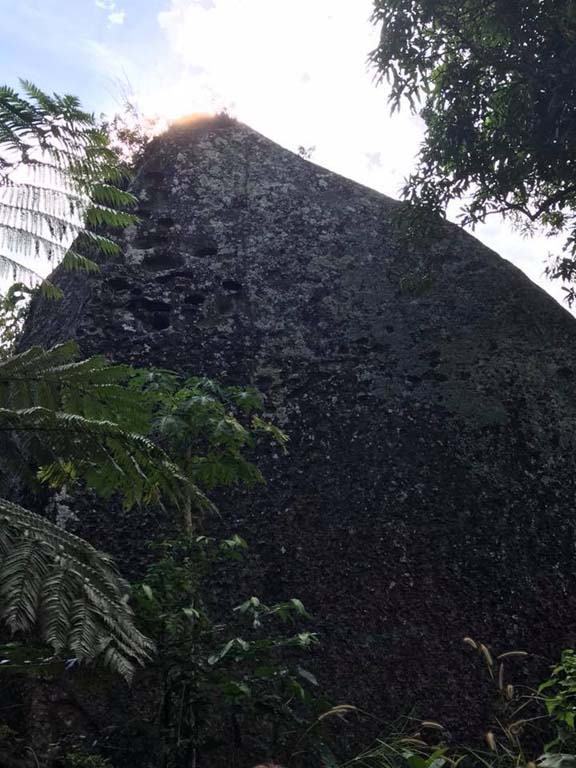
429 397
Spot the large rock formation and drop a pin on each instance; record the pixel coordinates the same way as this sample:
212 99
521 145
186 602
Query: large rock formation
428 392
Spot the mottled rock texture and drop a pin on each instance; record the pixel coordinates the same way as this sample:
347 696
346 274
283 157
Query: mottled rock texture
428 392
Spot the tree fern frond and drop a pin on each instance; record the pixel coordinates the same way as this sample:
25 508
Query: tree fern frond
49 290
31 245
36 360
107 457
23 572
103 244
56 608
40 98
115 660
40 197
58 177
12 268
100 215
79 420
107 194
71 592
20 519
36 219
73 262
84 636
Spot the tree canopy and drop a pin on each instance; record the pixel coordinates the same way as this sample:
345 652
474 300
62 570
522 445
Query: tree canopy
495 83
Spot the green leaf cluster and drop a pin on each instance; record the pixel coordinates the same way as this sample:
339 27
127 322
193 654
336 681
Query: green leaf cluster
559 695
210 429
232 674
494 83
63 419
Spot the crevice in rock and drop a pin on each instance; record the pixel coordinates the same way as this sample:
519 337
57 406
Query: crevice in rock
150 305
162 260
160 321
171 276
208 249
194 299
232 285
148 240
118 283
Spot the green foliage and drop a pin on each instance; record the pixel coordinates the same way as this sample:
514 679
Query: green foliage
59 181
55 426
559 695
83 423
401 751
72 594
208 427
81 420
230 676
13 311
494 83
85 760
519 720
130 132
209 430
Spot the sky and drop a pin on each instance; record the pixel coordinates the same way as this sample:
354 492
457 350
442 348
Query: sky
295 70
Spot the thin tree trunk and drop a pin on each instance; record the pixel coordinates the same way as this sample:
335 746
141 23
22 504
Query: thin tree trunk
187 513
187 509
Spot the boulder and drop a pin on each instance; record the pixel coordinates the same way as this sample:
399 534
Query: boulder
427 387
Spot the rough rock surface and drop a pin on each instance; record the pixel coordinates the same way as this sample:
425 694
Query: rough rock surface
428 393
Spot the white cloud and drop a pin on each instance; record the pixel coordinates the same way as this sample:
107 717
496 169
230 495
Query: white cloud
117 17
297 71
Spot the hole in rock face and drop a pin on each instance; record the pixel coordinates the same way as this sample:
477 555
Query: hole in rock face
232 285
206 249
150 305
118 283
565 372
194 299
154 177
166 222
163 260
160 321
168 278
148 240
143 213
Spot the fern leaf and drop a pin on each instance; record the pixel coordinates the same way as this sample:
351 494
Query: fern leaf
68 185
23 572
57 582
